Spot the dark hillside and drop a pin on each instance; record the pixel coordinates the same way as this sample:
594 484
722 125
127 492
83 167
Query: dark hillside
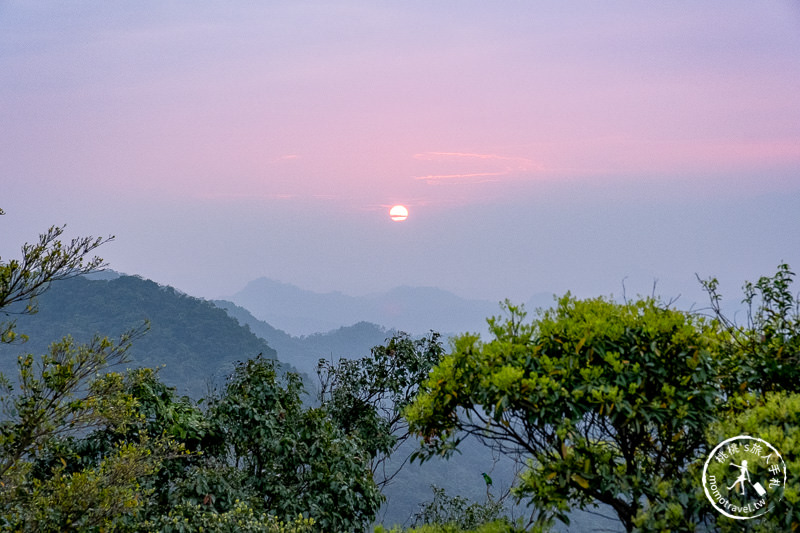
195 341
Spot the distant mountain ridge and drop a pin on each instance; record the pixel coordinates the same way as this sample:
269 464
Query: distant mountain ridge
415 310
303 353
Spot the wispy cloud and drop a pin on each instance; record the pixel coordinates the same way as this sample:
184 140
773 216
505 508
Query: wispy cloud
459 176
472 167
247 196
457 155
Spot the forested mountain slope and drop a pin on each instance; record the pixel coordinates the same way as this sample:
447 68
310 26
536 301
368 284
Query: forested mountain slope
195 342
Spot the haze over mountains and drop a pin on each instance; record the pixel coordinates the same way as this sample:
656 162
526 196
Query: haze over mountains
197 341
304 353
415 310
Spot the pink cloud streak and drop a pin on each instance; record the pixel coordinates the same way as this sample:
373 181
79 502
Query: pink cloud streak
465 165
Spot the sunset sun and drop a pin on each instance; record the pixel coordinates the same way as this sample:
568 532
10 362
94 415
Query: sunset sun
398 213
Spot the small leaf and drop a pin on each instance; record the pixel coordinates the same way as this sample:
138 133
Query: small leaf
580 345
580 481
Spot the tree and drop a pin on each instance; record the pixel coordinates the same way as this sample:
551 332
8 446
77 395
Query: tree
761 377
240 519
44 485
295 459
366 397
22 280
606 402
58 396
763 354
152 472
498 526
158 415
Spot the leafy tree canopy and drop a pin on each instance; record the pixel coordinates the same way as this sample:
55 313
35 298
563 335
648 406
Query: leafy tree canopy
366 397
295 458
608 402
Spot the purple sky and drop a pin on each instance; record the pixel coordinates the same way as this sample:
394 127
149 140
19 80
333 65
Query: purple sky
539 146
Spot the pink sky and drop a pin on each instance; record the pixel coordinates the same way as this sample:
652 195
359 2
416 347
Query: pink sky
293 126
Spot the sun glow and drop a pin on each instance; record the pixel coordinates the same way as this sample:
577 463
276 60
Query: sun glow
398 213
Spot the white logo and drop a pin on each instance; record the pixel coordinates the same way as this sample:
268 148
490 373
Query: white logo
744 477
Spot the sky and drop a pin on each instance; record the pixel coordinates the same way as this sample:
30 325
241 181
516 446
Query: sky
539 146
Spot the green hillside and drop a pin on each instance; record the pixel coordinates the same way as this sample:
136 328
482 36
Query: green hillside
196 343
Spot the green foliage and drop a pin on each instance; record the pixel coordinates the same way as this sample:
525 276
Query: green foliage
152 466
498 526
295 458
49 477
59 395
23 280
159 412
241 518
456 511
366 397
609 401
776 419
763 354
106 496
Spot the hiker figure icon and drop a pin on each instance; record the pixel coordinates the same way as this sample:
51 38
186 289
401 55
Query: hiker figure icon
744 475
